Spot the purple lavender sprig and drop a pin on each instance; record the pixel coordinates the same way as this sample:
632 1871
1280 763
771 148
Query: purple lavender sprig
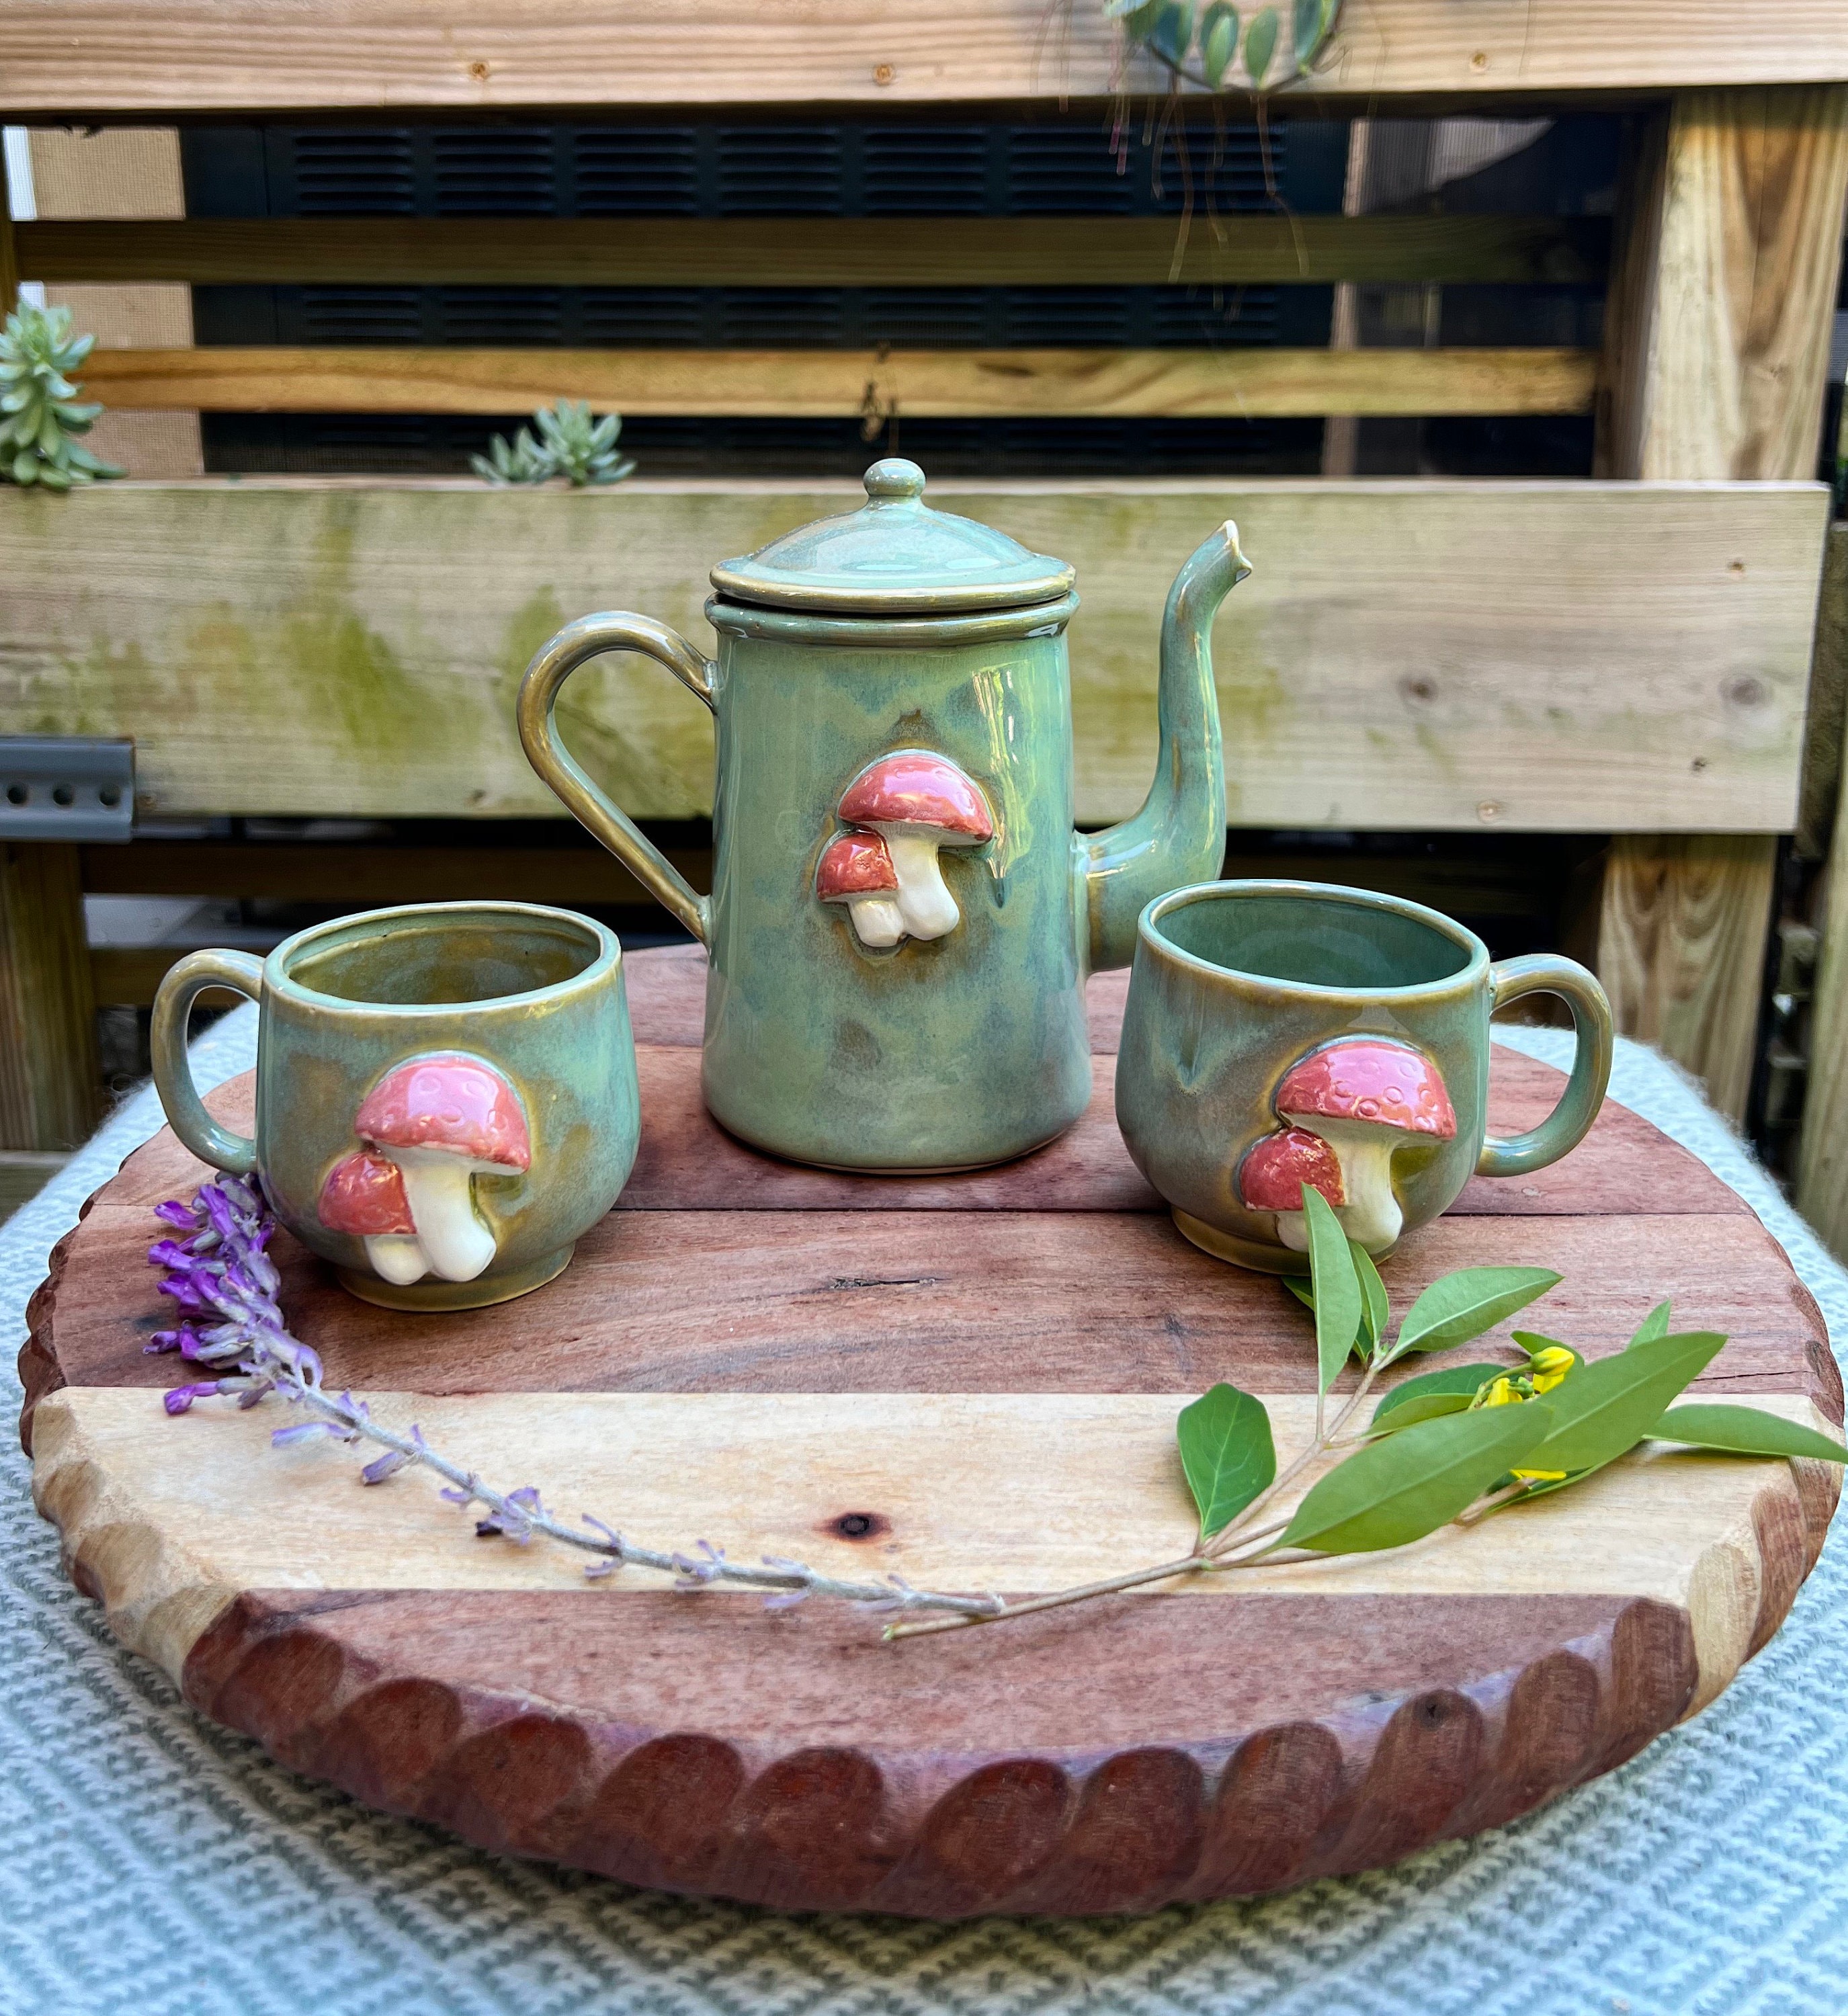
223 1285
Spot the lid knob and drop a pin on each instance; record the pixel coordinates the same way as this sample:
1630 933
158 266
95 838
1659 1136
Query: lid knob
894 478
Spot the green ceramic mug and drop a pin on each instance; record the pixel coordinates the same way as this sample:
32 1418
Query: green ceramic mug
1280 1033
446 1095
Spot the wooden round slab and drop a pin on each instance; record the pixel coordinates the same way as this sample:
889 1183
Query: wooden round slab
970 1381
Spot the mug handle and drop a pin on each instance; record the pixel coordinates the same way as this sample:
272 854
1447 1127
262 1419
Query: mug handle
616 630
235 1153
1570 1120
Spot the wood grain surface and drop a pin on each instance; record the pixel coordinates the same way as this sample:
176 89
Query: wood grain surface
1258 382
1403 657
176 56
971 1379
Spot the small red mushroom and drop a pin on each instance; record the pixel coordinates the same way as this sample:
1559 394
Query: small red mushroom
917 802
444 1120
364 1196
1363 1095
1274 1172
857 870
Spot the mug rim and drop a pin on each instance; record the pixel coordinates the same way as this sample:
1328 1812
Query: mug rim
279 979
1475 972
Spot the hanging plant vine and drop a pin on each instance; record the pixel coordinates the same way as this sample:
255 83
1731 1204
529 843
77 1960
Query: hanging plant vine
1200 46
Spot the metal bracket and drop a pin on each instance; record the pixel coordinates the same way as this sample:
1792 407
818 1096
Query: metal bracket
65 787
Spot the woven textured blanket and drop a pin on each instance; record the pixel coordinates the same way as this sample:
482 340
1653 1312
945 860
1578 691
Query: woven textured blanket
160 1865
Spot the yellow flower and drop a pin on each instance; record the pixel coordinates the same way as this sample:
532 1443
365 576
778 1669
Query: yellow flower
1501 1393
1538 1476
1550 1366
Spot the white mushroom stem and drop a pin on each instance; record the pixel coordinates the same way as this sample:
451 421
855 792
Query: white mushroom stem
924 902
877 920
1293 1229
437 1185
1371 1217
397 1257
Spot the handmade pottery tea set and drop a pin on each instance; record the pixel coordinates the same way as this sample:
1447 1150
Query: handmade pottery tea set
902 923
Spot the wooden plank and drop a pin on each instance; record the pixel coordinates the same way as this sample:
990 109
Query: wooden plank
1681 950
820 252
9 263
846 384
1003 1490
1727 253
23 1173
172 56
1826 719
1724 286
1822 1149
1567 657
51 1080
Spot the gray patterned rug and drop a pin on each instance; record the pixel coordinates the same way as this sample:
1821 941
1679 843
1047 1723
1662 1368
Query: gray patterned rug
161 1866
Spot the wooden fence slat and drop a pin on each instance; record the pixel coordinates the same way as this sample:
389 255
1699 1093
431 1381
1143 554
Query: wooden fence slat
847 384
50 1079
822 252
1717 322
1566 657
173 56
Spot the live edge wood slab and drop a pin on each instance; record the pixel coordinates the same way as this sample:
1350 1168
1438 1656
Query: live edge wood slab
965 1381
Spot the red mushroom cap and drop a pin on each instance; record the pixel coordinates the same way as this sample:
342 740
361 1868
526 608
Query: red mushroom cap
1362 1077
855 864
916 789
1277 1168
459 1103
364 1195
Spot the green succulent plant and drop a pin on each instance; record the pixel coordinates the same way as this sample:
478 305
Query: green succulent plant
1167 30
571 444
40 416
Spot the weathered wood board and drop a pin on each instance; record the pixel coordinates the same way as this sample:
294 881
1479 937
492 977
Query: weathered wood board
139 56
1558 656
1257 384
970 1379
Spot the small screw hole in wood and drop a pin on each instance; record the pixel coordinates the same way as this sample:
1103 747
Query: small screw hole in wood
884 74
859 1526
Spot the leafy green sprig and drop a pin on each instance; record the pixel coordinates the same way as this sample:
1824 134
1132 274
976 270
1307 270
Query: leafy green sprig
1172 31
1448 1446
40 415
569 443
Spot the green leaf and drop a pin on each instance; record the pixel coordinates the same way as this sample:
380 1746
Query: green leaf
1464 1305
1337 1287
1454 1382
1219 41
1375 1312
1654 1324
1138 21
1405 1485
1173 31
1260 45
1227 1452
1303 1291
1744 1432
1308 27
1607 1408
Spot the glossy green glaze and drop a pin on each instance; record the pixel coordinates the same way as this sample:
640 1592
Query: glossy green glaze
1234 984
942 1038
535 995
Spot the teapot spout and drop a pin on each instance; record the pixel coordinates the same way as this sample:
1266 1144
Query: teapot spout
1180 835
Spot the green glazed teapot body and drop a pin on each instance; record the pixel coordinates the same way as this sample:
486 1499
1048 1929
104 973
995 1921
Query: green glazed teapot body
902 917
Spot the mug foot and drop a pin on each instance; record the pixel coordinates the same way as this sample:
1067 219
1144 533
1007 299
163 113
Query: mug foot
1261 1258
437 1296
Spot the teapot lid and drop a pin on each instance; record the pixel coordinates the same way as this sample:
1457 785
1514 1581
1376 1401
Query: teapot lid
895 555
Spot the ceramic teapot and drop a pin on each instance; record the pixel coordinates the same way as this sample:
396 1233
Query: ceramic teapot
902 917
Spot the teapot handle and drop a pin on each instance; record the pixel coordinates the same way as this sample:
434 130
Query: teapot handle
615 630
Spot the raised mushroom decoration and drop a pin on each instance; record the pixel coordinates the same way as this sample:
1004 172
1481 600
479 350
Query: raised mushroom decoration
917 802
444 1120
1363 1095
1273 1173
364 1196
857 870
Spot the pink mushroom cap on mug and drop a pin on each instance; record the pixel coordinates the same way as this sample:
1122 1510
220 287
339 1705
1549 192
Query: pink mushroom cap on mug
444 1120
917 802
856 869
1363 1095
364 1196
